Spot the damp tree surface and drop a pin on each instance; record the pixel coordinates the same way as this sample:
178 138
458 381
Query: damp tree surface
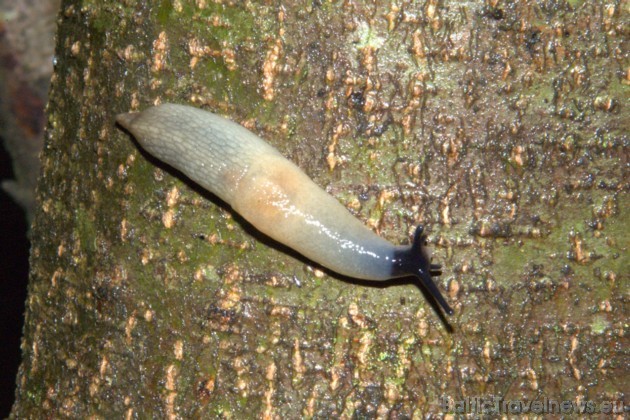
502 127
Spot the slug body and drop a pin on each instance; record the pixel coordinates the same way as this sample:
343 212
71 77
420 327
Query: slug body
274 195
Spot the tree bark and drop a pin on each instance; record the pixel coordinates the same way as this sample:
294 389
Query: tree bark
501 126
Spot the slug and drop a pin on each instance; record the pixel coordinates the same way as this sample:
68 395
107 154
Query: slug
275 196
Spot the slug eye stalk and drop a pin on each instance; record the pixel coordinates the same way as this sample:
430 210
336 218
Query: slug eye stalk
427 282
416 261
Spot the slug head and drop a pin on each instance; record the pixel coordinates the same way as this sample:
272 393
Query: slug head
416 261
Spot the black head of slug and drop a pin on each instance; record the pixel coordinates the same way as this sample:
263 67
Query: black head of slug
416 261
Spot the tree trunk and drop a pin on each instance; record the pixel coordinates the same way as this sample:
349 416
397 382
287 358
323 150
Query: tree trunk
500 126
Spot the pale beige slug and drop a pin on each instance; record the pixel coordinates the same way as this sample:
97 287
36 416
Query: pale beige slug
274 195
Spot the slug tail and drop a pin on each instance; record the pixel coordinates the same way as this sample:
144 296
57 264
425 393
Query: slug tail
417 261
125 120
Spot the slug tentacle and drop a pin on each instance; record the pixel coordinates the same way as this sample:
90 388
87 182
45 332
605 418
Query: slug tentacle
274 195
416 261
